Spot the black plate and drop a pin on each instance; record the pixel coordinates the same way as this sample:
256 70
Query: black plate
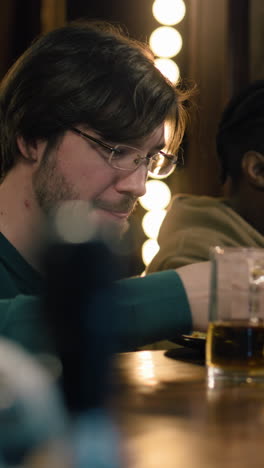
190 341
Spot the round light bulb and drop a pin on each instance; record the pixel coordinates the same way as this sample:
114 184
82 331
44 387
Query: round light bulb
157 196
165 41
149 249
168 68
152 221
169 12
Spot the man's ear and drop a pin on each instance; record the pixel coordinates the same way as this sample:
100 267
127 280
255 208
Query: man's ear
253 169
29 151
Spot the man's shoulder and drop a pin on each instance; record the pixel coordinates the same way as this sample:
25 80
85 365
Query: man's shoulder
8 283
16 275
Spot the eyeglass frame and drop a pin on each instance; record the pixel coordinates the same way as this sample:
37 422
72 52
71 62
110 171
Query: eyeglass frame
114 149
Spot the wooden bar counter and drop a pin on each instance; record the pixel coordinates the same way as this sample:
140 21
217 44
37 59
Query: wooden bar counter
170 418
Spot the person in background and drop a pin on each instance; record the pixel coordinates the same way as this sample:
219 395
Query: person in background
195 223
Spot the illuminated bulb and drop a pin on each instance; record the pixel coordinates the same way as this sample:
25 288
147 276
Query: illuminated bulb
157 196
168 68
168 12
149 249
151 222
165 42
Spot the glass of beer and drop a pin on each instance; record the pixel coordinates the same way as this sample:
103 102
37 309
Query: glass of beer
235 338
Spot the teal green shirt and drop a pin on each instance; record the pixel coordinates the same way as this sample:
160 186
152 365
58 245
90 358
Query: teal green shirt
21 318
16 275
151 308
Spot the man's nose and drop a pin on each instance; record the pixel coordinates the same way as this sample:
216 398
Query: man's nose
133 182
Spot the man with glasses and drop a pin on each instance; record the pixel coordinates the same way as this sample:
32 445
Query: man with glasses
82 123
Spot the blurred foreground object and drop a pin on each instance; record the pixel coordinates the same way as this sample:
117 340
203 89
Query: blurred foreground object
32 418
81 314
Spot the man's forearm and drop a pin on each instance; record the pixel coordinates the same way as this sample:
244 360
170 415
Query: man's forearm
152 308
196 281
145 309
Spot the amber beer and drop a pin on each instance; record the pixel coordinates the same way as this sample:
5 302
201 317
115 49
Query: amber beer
236 346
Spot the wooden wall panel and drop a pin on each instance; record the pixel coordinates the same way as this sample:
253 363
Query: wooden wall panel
52 14
7 33
256 50
22 21
207 67
225 52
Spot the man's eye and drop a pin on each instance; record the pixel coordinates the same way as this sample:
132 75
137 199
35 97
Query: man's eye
122 152
118 154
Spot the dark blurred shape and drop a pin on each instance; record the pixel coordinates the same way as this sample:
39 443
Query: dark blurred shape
81 315
79 306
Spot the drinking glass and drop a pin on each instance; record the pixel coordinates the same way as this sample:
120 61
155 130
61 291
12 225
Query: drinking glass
235 338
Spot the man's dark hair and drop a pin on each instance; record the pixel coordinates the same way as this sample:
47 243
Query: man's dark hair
85 73
241 129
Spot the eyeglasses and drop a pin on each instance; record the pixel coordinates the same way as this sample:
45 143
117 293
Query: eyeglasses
127 158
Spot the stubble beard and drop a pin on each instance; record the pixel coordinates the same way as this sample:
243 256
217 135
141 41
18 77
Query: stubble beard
52 190
50 186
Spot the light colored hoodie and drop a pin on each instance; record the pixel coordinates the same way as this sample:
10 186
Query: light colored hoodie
195 223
